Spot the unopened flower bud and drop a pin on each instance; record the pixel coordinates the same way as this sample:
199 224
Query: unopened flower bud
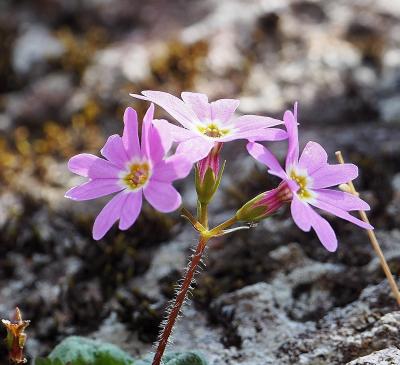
210 162
208 175
265 204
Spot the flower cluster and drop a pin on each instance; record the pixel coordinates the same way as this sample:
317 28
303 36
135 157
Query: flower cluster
133 168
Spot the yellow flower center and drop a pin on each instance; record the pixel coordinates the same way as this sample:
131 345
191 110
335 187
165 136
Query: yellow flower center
213 130
301 180
137 176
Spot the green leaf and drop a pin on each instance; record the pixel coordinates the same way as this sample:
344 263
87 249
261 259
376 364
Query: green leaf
251 211
42 361
47 361
177 358
84 351
185 358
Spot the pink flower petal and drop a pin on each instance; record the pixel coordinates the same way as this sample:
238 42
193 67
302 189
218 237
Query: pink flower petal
130 137
88 165
195 149
313 157
263 155
155 142
340 213
173 168
162 196
114 151
293 140
267 134
158 145
331 175
131 209
305 217
109 215
255 122
94 189
178 134
300 213
222 110
161 141
198 103
324 231
146 127
174 106
342 200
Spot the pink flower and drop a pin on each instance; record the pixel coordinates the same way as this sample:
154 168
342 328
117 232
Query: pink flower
308 179
131 169
205 124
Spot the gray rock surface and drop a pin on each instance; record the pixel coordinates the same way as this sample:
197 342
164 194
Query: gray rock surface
389 356
266 323
35 46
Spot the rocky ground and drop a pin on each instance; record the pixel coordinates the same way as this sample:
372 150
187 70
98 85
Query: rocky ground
270 295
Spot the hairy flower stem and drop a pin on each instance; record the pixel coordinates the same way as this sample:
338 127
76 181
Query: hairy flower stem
205 236
179 300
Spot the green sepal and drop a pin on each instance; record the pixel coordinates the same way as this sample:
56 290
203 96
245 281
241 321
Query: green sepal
207 187
219 177
250 213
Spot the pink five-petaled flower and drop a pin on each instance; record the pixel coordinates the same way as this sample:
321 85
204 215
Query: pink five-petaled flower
131 169
206 124
308 178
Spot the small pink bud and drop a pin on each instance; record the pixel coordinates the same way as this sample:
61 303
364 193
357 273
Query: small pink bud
265 204
211 161
208 175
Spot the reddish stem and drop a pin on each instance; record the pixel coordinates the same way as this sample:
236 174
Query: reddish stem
179 300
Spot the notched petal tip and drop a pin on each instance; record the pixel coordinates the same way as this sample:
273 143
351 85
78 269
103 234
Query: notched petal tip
69 195
138 96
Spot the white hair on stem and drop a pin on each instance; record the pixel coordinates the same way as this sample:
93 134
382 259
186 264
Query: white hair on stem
189 294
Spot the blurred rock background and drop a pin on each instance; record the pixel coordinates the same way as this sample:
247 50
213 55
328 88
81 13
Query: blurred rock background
269 296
